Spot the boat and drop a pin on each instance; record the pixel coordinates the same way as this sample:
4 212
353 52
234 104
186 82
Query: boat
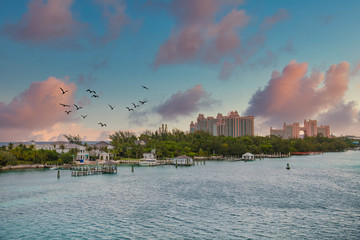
148 160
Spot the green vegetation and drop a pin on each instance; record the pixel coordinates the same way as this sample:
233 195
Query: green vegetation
29 155
175 143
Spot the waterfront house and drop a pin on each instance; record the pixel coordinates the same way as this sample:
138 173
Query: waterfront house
248 156
45 146
182 160
102 150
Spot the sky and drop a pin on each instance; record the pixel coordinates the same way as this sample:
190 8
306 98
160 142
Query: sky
280 61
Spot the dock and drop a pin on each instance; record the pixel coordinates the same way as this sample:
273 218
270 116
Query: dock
108 167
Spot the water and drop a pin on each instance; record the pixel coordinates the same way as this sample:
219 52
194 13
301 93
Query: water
319 198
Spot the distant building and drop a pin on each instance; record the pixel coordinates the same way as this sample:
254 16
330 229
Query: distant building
310 129
232 125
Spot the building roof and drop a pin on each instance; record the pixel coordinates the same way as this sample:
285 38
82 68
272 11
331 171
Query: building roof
248 154
72 145
101 144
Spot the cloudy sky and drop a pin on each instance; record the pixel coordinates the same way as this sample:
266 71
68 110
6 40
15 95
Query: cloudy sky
281 61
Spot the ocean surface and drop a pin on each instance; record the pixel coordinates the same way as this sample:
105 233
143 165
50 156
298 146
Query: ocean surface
318 198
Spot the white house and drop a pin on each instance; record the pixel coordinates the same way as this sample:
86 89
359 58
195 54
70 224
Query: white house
98 150
182 160
82 153
248 156
45 146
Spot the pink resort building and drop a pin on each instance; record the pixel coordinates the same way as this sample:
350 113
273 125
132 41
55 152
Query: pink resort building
232 125
310 129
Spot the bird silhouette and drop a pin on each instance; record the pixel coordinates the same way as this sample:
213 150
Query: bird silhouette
88 90
67 112
95 96
135 106
84 116
64 105
62 90
130 109
144 87
112 107
93 91
102 124
77 107
142 102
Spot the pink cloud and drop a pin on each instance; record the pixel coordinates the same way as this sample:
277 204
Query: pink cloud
343 118
45 21
292 96
185 103
38 106
197 36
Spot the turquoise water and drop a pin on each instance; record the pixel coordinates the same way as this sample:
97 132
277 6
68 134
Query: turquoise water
319 198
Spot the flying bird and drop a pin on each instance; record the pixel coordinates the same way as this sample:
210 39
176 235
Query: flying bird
64 105
77 107
84 116
102 124
67 112
144 87
62 90
130 109
95 96
90 91
112 107
142 102
135 106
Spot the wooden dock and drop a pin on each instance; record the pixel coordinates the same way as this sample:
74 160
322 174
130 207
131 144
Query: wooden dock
87 171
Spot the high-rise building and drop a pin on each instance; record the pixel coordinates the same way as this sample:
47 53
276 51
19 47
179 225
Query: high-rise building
310 128
232 125
324 130
293 130
288 131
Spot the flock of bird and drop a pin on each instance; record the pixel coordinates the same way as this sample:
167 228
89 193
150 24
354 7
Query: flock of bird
94 95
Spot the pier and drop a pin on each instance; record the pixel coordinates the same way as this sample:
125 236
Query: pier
108 167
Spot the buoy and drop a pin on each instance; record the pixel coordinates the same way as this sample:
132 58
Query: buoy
288 167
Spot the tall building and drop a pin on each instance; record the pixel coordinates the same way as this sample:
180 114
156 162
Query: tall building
232 125
288 131
310 128
324 130
293 130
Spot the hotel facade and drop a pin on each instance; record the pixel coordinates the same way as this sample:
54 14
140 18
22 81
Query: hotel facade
310 129
232 125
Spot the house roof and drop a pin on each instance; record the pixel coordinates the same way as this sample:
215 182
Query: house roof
248 154
101 144
72 145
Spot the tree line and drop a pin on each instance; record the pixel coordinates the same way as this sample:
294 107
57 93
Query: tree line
200 143
175 143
